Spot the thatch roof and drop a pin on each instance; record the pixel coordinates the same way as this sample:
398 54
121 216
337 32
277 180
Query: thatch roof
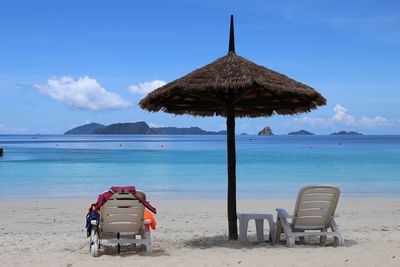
257 91
253 90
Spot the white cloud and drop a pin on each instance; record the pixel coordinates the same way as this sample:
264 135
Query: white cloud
342 117
84 93
373 122
313 121
146 87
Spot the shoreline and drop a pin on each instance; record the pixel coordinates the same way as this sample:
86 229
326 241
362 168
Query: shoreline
50 231
284 197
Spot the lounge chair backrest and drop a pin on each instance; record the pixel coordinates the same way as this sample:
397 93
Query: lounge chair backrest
315 207
122 213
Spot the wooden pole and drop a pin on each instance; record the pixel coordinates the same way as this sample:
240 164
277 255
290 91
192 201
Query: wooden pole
232 217
230 126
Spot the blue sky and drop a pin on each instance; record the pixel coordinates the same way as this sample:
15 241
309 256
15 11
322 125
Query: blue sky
66 63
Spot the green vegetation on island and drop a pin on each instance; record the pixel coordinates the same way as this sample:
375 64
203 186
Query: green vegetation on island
140 127
301 132
185 131
346 133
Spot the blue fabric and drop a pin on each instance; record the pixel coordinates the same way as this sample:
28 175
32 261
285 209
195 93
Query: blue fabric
93 215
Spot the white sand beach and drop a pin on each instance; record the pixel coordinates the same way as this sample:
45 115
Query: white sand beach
50 232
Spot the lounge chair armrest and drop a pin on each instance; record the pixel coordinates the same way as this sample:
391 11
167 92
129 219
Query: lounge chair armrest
148 221
283 213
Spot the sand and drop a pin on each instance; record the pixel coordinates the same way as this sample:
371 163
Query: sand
50 232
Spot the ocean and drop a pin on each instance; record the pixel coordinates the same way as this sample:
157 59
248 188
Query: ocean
167 166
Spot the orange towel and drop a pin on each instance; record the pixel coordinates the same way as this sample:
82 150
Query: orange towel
149 216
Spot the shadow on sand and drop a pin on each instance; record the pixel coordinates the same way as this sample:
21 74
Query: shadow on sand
127 251
222 241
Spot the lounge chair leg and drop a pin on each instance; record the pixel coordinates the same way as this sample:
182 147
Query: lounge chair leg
283 224
290 241
338 241
278 230
118 245
134 245
301 238
149 248
94 244
338 236
271 238
147 237
322 238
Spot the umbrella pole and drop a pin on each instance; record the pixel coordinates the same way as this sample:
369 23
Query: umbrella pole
232 218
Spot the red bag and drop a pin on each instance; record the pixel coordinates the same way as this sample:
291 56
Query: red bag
131 189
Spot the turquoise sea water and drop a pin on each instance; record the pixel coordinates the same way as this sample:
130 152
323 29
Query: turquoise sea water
195 166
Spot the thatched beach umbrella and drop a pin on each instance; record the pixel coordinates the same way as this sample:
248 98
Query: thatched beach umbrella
233 86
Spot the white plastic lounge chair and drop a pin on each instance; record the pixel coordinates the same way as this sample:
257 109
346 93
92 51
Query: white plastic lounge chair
313 216
121 222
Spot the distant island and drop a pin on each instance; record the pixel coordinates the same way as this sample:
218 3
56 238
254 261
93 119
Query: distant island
126 128
301 132
185 131
346 133
266 131
86 129
140 127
